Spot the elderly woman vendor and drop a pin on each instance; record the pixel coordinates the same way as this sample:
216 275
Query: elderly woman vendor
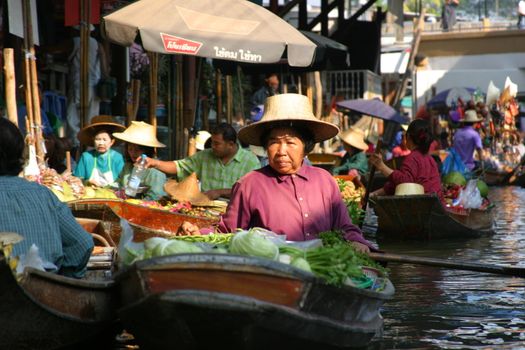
287 196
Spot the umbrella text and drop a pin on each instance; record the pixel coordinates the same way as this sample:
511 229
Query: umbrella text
174 44
240 55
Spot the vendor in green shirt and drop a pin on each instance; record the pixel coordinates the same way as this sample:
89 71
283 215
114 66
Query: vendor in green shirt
354 161
141 138
217 168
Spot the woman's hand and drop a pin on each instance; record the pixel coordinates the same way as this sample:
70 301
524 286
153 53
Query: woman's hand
360 247
376 159
188 229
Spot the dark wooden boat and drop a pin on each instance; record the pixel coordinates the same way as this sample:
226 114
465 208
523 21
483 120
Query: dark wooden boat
423 217
43 310
146 222
208 301
494 178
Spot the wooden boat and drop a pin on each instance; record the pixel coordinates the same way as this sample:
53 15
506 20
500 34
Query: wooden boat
43 310
146 222
494 178
219 300
423 217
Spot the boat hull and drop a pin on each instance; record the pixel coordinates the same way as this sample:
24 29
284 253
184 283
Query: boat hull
243 302
423 217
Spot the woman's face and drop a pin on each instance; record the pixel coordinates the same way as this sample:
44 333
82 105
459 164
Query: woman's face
103 142
134 151
285 150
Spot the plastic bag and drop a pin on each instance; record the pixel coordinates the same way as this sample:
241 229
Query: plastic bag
453 162
469 197
32 259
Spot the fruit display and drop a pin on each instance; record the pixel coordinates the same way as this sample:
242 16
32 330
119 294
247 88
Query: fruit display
454 178
178 207
352 197
452 193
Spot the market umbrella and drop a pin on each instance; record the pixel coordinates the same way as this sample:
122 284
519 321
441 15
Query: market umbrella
374 108
236 30
449 97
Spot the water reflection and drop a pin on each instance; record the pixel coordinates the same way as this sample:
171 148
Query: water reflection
452 309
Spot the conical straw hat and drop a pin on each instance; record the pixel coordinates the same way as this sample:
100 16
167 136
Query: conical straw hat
354 137
471 116
98 122
201 138
187 191
492 94
140 133
287 110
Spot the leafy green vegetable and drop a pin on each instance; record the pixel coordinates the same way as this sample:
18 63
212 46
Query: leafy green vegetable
301 263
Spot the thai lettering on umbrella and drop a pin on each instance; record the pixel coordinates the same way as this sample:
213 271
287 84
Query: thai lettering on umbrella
235 30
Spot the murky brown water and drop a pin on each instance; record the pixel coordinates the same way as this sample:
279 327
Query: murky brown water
437 308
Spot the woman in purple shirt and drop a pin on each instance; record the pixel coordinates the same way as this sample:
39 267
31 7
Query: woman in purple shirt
287 196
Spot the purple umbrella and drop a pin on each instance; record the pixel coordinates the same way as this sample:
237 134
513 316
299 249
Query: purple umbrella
374 108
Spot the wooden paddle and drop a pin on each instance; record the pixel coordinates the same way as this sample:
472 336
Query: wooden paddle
450 264
369 185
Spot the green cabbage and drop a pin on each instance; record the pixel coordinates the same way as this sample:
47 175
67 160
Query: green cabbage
180 247
253 244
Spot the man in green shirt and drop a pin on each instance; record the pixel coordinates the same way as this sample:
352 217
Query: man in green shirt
217 168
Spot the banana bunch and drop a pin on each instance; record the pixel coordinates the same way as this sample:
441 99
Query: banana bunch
349 192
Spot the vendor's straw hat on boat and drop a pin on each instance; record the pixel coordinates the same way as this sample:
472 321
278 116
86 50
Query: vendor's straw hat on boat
99 122
140 133
471 116
492 94
287 110
201 138
408 189
187 191
355 137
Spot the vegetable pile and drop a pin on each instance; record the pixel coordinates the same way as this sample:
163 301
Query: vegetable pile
179 207
333 259
352 197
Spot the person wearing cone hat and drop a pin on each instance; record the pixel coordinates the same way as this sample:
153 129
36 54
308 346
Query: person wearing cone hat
141 138
287 196
354 161
467 140
217 168
101 165
418 167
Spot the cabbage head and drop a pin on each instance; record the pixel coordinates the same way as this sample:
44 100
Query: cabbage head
176 246
253 244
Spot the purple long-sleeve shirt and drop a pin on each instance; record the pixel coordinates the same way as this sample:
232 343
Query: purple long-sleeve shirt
299 206
466 141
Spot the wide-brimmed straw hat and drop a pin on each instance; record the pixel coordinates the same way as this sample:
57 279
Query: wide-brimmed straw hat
471 116
408 189
287 110
355 137
140 133
187 191
201 138
98 122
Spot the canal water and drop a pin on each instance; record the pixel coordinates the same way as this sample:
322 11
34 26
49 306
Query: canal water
435 308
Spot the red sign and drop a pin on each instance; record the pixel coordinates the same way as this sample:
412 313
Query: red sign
174 44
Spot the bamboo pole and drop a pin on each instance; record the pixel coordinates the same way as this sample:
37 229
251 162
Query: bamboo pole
229 100
241 90
153 79
218 79
10 85
68 162
180 109
27 78
318 95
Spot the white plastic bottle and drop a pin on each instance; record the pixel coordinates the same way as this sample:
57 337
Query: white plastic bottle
136 177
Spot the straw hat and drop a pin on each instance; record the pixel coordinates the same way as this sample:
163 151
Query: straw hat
287 110
492 94
186 191
471 117
140 133
99 122
408 189
201 138
355 137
